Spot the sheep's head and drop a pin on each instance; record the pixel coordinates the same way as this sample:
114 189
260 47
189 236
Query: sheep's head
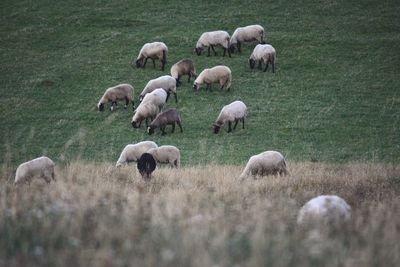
101 106
198 50
135 124
216 127
150 130
196 86
232 48
252 63
139 63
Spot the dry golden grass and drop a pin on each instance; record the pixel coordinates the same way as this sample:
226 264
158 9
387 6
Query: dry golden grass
99 215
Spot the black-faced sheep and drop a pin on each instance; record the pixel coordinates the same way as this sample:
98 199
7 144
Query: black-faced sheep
165 82
263 53
211 39
234 112
155 50
150 106
217 74
166 154
41 167
266 163
146 165
132 152
246 34
118 92
183 67
169 117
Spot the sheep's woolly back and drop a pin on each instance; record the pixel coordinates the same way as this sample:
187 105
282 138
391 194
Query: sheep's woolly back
264 51
214 75
133 152
248 34
183 67
266 163
215 38
39 167
153 50
158 97
165 82
231 112
166 154
117 92
145 110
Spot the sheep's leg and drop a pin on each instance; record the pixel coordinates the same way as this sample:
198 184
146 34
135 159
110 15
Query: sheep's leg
173 127
145 61
222 82
209 86
180 126
168 93
224 52
239 45
266 66
133 105
229 127
242 123
163 132
162 64
126 102
112 105
176 98
236 122
208 54
273 67
190 76
147 122
212 47
154 63
229 52
259 64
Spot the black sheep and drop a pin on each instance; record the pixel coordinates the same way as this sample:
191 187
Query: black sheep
146 165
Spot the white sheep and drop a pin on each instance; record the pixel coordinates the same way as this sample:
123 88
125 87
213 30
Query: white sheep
133 152
183 67
234 112
324 210
119 92
217 74
211 39
146 110
246 34
263 53
41 167
155 50
266 163
166 154
157 97
166 82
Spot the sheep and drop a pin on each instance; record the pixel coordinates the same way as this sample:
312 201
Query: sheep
132 152
246 34
183 67
169 117
146 165
41 167
263 53
266 163
166 154
155 50
165 82
234 112
119 92
158 97
211 39
217 74
150 106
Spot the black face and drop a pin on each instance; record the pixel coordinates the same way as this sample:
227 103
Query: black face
216 128
138 63
198 50
232 48
195 87
252 63
150 130
101 107
134 124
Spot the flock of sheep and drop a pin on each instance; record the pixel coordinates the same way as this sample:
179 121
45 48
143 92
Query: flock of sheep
156 93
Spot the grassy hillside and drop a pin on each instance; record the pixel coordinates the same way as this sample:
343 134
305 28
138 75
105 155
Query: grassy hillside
334 96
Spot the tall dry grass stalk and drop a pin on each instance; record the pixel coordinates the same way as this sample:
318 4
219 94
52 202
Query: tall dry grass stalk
98 215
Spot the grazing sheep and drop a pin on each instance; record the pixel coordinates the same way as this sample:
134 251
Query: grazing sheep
155 50
133 152
211 39
169 117
41 167
119 92
165 82
150 106
183 67
246 34
158 97
146 165
166 154
233 112
217 74
324 210
263 53
266 163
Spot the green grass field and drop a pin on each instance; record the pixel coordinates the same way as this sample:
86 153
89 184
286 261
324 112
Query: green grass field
335 95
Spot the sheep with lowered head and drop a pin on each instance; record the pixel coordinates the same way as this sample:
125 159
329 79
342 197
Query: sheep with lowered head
158 97
41 167
217 74
166 154
211 39
169 117
234 112
183 67
263 53
155 50
119 92
165 82
132 152
150 106
266 163
146 164
246 34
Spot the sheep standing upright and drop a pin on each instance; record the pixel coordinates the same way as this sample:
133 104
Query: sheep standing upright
41 167
166 154
132 152
217 74
183 67
119 92
234 112
263 53
165 82
169 117
155 50
146 165
246 34
266 163
211 39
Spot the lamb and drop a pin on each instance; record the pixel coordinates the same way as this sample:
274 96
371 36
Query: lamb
263 53
146 165
211 39
166 154
266 163
119 92
217 74
234 112
41 167
132 152
150 106
155 50
169 117
246 34
165 82
183 67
